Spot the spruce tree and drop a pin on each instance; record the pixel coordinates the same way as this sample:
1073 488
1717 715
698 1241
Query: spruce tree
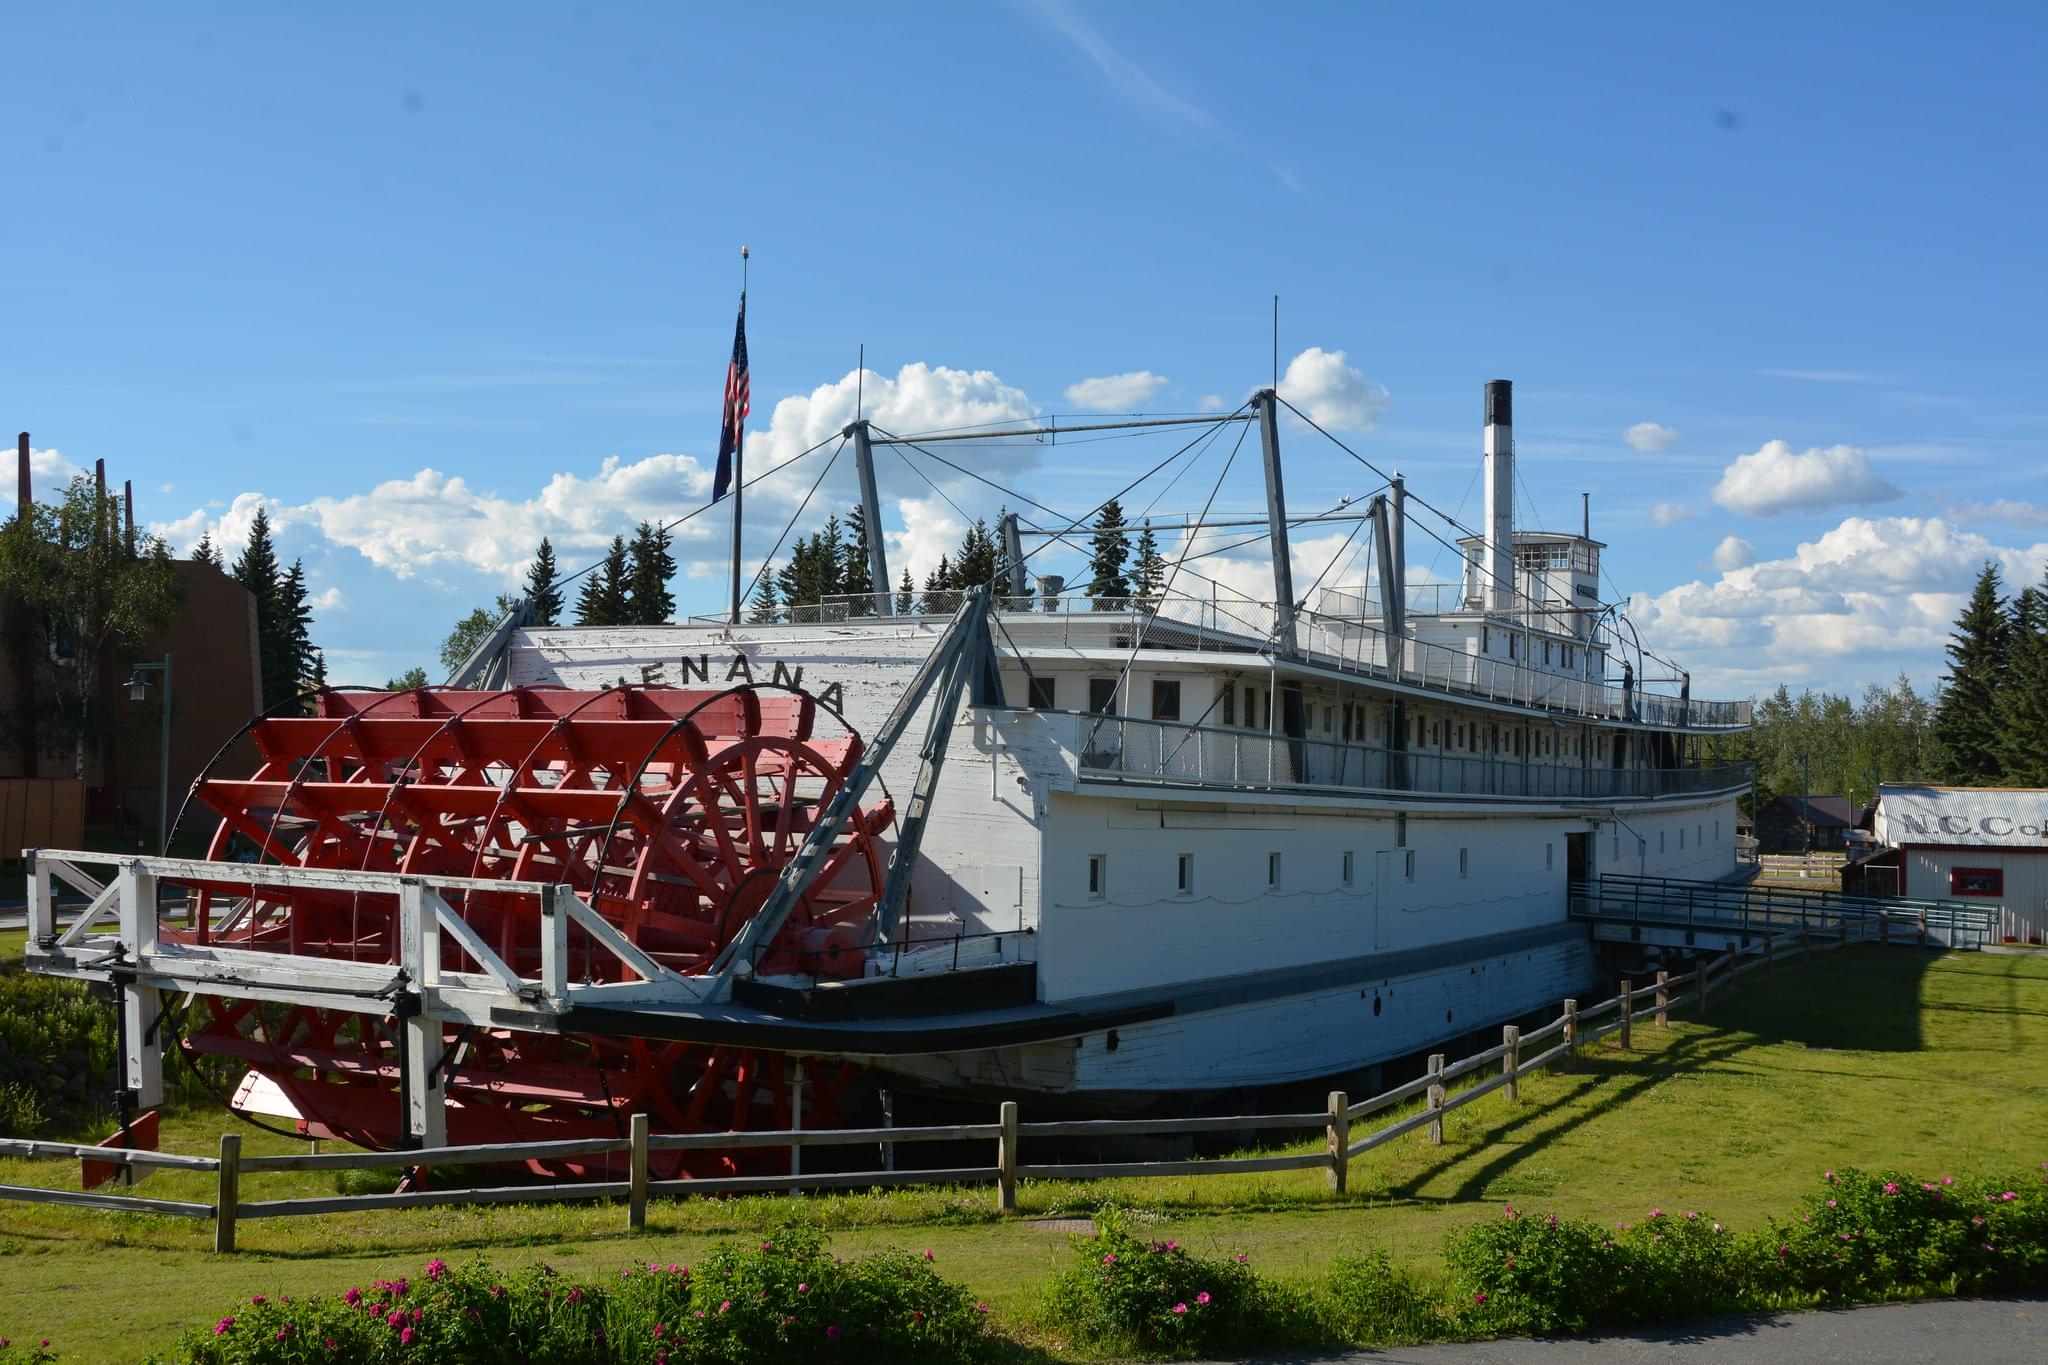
975 565
854 580
542 596
2023 702
257 571
906 594
204 553
650 568
764 607
605 599
938 590
1149 573
1109 551
295 620
1966 723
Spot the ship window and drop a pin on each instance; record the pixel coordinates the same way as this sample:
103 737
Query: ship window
1699 835
1102 696
1165 699
1976 881
1567 656
1185 875
1408 865
1549 856
1400 831
1435 732
1272 869
1044 696
1329 719
1464 861
1546 652
1511 646
1229 705
1350 868
1251 708
1485 640
1098 874
1660 841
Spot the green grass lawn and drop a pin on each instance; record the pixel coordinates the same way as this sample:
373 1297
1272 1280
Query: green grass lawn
1865 1057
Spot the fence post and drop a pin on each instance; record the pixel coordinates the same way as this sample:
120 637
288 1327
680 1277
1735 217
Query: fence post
1923 928
1663 999
1006 1159
1627 1016
1337 1137
227 1191
636 1196
1436 1099
1511 1064
1571 1029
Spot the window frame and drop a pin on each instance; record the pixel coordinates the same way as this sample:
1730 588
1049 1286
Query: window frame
1042 691
1166 688
1994 891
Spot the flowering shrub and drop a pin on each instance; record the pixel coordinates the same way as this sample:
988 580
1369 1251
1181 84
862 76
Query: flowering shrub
26 1352
1685 1265
1523 1273
1132 1294
1862 1235
783 1299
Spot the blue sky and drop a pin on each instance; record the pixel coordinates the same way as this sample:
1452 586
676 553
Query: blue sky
429 281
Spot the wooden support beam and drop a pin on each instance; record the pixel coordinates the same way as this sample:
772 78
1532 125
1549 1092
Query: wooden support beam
1511 1061
227 1192
636 1199
1627 1015
1337 1140
1663 999
1006 1159
1436 1099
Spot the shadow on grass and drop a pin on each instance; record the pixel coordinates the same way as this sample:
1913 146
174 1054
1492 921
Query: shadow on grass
1866 999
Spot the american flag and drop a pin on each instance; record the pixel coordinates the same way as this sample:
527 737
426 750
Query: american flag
738 403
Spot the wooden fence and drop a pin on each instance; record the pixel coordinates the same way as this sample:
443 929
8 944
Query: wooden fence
1574 1027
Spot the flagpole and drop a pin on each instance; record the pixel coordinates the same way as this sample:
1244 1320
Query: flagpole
738 474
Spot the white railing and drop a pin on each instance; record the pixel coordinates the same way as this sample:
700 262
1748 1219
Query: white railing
1117 748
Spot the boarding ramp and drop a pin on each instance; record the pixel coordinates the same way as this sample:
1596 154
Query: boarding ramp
1675 913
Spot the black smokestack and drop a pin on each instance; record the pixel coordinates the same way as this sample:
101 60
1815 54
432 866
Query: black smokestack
1500 402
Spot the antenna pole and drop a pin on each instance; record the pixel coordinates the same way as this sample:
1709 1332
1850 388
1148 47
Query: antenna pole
1276 343
739 480
860 380
1263 404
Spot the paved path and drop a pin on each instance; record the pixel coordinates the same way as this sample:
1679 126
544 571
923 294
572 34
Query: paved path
1959 1331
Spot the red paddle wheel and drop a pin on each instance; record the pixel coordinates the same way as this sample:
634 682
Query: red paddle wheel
670 812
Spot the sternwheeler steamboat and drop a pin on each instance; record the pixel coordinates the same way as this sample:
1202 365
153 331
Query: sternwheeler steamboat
1011 840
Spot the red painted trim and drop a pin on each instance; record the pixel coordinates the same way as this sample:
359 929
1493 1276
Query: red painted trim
1996 893
1988 849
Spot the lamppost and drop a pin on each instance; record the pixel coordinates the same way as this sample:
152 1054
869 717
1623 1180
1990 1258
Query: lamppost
138 690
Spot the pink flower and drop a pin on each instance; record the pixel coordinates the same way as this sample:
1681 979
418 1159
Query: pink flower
393 1318
1948 1180
803 1288
1719 1228
1891 1187
767 1246
284 1333
1479 1298
1175 1246
981 1308
1109 1258
1202 1297
436 1268
353 1297
220 1329
329 1343
2008 1196
1656 1213
1831 1203
256 1299
575 1296
660 1330
723 1306
1690 1216
1829 1177
1180 1308
1241 1258
405 1336
1551 1222
832 1332
700 1315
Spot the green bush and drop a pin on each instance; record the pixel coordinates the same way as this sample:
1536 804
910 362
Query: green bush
1524 1274
1365 1301
56 1051
1133 1295
1685 1265
1863 1236
785 1300
23 1353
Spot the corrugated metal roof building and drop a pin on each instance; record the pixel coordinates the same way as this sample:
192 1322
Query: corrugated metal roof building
1982 844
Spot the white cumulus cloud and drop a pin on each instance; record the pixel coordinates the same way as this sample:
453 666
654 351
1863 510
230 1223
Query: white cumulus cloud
1868 599
1777 478
1650 437
1331 391
1116 392
1670 513
1734 553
